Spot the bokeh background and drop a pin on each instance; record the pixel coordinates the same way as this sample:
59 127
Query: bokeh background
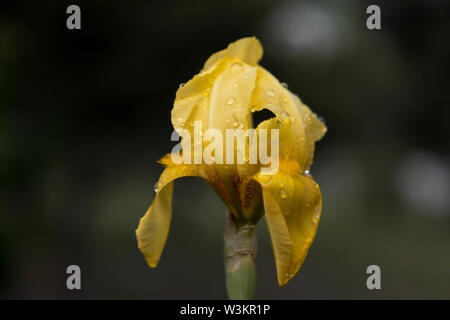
85 115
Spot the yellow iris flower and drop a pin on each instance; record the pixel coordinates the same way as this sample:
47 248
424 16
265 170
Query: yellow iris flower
223 95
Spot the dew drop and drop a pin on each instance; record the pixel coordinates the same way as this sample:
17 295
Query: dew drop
316 216
270 93
235 66
284 84
266 179
285 115
283 194
156 187
182 85
307 172
235 123
230 101
288 274
235 85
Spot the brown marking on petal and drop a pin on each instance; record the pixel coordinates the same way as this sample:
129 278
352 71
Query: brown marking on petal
224 191
250 190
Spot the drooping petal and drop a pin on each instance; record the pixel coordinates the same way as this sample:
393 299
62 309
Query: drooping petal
154 225
292 205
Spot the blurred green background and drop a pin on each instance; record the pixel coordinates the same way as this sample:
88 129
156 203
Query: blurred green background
85 115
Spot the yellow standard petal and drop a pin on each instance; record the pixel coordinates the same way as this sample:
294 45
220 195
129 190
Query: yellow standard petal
230 72
248 49
305 127
292 204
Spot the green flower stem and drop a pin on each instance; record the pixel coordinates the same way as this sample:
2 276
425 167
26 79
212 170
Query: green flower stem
240 252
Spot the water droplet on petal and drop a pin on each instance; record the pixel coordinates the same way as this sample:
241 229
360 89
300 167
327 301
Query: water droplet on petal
270 93
235 123
288 274
266 178
284 84
182 85
316 216
285 115
283 194
235 85
236 66
230 101
307 172
156 187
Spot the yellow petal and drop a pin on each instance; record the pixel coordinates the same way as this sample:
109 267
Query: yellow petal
231 97
220 98
292 207
154 225
192 99
305 128
315 129
249 50
286 138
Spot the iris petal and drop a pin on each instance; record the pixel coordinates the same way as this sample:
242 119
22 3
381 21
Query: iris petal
154 225
292 206
249 50
305 128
